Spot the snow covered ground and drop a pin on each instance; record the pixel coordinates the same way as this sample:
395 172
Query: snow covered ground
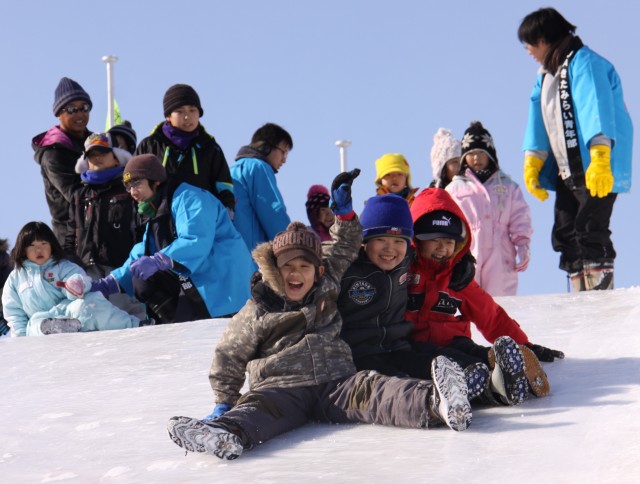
94 408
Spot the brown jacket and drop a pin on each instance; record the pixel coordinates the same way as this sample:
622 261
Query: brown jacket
284 344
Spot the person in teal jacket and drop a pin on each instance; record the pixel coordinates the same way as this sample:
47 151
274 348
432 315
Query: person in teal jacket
260 209
186 267
578 142
47 293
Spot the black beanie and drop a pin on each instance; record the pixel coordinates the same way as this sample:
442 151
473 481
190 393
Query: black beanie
67 91
145 166
180 95
125 130
476 137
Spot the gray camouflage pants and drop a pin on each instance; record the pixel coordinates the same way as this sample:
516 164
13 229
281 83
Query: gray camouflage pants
366 397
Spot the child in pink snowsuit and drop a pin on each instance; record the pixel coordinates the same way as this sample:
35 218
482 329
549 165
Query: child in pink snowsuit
497 212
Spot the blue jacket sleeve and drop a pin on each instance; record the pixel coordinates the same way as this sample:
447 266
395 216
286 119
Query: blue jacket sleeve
267 201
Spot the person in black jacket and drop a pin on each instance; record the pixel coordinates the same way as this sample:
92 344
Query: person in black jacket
373 300
57 150
188 153
103 222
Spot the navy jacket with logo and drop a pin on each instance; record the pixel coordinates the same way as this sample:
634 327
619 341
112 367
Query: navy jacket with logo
372 303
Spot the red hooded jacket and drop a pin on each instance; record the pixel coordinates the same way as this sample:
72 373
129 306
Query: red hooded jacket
441 308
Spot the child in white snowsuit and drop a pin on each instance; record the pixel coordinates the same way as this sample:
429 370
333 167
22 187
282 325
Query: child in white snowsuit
497 212
47 293
287 337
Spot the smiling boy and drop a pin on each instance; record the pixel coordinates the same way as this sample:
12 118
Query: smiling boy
287 338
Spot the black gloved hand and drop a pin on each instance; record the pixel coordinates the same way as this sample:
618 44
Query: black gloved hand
545 354
341 192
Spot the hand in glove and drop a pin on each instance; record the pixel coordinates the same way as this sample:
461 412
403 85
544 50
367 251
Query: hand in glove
598 176
74 285
219 410
545 354
532 167
341 203
107 286
524 254
146 266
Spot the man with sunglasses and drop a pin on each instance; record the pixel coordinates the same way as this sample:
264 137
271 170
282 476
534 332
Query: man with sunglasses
57 150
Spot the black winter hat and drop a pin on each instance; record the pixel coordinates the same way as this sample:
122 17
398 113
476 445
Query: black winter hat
145 166
180 95
476 137
439 224
125 130
67 91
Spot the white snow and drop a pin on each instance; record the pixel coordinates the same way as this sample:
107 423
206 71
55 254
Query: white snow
94 407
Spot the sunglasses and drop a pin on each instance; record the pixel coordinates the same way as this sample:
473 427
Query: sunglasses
128 186
85 108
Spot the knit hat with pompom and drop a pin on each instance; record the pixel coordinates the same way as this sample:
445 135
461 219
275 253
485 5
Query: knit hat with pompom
445 147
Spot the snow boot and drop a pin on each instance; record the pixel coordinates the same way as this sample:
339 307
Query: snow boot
448 400
536 376
477 376
598 275
577 281
508 378
60 325
197 436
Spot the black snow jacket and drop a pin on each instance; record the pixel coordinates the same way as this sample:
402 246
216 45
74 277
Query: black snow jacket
372 303
202 165
56 152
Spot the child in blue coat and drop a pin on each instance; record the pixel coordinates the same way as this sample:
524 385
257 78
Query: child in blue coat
191 263
47 293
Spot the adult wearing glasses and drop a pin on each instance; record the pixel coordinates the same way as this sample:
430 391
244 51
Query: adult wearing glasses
186 267
57 150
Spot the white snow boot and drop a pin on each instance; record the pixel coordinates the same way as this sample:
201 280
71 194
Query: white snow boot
508 377
448 400
60 325
197 436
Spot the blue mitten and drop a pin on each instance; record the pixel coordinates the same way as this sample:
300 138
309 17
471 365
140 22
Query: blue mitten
342 203
219 410
146 266
107 286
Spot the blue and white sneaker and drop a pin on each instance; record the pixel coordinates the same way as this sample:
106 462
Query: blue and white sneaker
508 378
449 400
478 377
197 436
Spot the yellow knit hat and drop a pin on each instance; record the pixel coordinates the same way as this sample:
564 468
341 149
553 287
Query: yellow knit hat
391 163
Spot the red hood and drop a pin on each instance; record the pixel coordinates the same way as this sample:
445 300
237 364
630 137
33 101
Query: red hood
431 199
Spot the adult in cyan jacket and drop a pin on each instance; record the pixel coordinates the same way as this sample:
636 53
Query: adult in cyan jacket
578 143
57 149
260 209
186 267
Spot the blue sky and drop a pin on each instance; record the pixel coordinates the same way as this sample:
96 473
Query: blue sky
385 75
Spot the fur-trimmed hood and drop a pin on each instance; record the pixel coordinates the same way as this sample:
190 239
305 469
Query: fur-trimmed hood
263 255
122 155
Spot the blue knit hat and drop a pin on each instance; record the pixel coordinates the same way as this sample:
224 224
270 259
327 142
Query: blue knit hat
67 91
387 215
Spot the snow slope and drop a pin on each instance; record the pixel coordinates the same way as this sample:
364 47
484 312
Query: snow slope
94 407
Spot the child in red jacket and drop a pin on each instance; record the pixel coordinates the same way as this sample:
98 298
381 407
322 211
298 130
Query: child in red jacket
444 300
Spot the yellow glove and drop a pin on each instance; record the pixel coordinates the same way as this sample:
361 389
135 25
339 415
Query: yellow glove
532 167
598 177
